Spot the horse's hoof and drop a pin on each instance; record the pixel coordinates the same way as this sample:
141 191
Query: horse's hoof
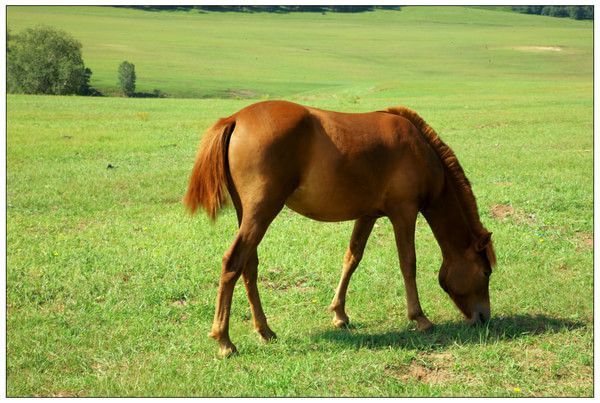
341 323
227 351
423 324
267 335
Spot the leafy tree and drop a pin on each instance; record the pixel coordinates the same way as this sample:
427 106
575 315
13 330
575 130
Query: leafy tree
581 12
45 60
576 12
555 11
127 78
85 87
534 9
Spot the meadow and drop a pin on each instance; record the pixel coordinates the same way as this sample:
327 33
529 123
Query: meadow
111 285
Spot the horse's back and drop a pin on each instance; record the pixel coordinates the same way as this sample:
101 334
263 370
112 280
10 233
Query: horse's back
333 166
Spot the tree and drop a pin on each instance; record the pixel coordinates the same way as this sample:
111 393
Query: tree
581 12
45 60
85 87
555 11
127 78
576 12
534 9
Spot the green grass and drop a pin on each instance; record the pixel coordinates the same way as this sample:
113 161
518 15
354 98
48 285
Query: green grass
192 54
111 286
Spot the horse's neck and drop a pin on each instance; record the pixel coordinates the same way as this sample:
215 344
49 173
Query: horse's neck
449 223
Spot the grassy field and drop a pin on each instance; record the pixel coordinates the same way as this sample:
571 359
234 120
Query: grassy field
415 51
111 286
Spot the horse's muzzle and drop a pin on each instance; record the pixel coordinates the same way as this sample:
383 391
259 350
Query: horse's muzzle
480 315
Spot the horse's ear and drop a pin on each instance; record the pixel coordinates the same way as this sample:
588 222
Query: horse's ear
483 242
491 254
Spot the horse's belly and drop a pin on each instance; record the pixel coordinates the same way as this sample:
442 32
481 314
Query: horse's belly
332 202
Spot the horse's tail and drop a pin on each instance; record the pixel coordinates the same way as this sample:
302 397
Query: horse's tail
208 181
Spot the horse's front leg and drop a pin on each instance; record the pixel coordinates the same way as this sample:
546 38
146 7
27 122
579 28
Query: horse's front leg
362 229
404 231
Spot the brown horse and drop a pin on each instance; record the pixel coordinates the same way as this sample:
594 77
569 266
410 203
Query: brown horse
333 166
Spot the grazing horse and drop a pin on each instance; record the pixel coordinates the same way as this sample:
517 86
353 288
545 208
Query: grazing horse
332 166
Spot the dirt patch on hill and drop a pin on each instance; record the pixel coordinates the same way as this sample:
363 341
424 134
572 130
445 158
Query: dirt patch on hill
584 240
241 94
503 212
64 393
539 48
274 279
429 368
179 302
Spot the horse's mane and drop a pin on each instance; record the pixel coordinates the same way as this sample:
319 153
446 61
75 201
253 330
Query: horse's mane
454 170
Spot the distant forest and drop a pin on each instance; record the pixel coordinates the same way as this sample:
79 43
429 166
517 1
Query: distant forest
268 9
576 12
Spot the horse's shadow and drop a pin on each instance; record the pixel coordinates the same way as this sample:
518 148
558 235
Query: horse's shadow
450 333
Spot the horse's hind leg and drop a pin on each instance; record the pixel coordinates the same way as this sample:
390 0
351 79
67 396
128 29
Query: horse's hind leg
250 274
404 230
234 261
240 257
250 279
360 234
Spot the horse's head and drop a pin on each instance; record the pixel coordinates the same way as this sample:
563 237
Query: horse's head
466 279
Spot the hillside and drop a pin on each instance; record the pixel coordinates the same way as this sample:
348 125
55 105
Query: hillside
257 55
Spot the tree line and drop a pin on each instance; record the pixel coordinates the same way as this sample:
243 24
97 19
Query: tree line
576 12
268 9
